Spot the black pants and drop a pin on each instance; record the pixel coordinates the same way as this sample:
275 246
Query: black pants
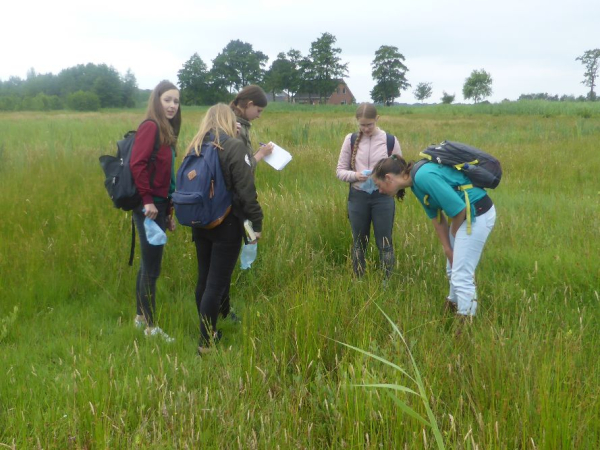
217 251
145 287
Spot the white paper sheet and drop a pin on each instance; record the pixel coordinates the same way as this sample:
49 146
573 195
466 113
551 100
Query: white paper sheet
279 158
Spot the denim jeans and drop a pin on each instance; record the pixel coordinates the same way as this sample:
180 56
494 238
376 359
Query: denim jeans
151 260
364 209
467 249
217 251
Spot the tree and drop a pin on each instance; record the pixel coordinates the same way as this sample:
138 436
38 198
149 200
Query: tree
275 78
423 91
323 69
389 72
284 74
590 59
478 86
129 90
83 101
239 65
193 81
447 98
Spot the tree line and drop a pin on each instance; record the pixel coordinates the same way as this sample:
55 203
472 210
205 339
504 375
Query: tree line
86 87
316 75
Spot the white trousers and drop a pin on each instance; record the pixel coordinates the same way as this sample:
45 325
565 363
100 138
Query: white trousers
467 250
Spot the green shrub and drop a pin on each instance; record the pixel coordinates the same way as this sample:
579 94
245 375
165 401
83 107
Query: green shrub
83 101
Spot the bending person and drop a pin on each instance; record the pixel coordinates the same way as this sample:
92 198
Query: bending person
435 186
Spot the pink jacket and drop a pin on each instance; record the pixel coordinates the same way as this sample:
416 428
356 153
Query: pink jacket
370 151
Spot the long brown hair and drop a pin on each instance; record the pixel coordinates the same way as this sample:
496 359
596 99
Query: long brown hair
364 111
251 93
219 119
395 165
168 128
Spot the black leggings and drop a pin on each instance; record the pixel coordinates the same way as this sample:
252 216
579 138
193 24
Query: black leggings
145 287
217 251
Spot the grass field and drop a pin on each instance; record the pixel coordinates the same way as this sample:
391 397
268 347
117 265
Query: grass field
75 373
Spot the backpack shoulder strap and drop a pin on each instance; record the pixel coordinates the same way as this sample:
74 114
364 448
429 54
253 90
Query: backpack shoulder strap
390 139
416 167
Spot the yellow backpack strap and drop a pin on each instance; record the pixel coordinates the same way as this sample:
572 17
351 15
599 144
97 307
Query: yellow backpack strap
468 202
425 155
462 165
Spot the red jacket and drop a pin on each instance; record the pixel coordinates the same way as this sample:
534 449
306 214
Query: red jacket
142 172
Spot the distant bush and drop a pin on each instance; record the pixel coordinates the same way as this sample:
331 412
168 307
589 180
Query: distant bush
10 103
42 102
83 101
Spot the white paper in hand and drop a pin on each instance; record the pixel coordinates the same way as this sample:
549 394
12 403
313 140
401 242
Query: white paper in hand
279 158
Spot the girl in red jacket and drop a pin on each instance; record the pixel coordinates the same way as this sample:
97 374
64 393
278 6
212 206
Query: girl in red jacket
154 178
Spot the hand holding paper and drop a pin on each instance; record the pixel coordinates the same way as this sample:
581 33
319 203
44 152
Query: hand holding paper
278 158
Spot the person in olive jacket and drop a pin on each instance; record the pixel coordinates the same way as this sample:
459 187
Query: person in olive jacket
217 249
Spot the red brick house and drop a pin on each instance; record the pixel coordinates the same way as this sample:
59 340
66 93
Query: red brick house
342 95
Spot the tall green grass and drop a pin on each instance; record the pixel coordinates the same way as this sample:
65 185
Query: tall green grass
75 373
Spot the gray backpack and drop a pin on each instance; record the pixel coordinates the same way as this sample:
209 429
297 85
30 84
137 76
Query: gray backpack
483 169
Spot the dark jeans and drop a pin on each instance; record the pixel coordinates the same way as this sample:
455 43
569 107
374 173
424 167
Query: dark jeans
217 251
364 209
145 287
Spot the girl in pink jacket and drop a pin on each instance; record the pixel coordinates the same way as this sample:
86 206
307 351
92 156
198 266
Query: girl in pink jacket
360 152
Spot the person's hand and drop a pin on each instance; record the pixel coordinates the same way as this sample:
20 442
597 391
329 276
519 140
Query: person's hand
238 127
150 211
258 235
170 223
450 255
360 176
266 149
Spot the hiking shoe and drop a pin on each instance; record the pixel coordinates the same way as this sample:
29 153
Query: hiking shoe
204 350
156 331
217 335
450 306
234 317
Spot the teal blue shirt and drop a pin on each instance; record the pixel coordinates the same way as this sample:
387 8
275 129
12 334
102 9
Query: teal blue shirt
434 186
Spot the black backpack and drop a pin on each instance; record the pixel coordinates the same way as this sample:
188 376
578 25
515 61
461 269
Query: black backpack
118 179
480 167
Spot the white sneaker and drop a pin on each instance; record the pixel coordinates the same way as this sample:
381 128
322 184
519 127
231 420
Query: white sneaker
156 331
139 323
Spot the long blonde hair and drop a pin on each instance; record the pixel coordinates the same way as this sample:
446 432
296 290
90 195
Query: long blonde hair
218 120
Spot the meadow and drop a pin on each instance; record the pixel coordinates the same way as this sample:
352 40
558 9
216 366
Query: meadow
76 373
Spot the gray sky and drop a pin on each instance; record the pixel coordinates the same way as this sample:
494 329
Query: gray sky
528 46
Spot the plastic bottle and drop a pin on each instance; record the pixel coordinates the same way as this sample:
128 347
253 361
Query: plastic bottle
154 234
248 255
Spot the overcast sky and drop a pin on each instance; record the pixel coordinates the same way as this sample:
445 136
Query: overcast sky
528 46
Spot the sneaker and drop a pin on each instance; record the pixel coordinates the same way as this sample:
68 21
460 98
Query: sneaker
156 331
217 335
139 323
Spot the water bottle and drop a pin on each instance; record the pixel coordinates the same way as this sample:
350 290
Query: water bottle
154 234
248 255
